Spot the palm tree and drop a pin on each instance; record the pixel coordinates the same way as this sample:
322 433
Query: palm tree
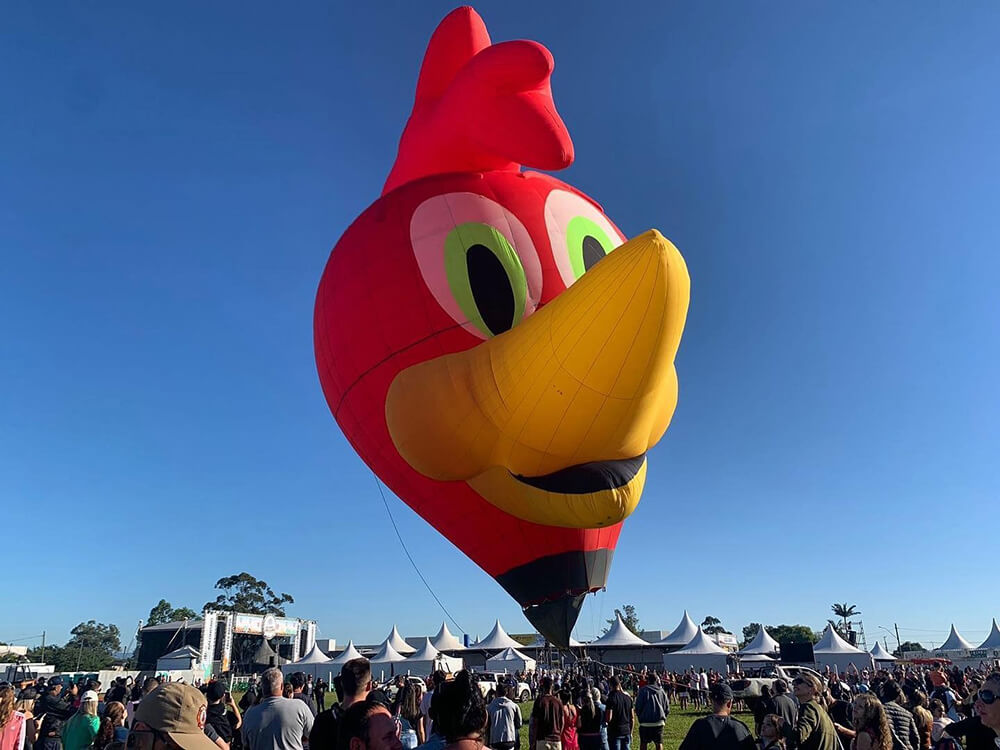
844 611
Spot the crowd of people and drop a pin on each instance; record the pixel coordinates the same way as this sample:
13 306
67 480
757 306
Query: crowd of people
909 708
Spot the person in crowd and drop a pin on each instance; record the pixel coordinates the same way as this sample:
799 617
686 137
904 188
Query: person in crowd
703 685
148 687
118 692
355 681
504 720
900 720
784 704
25 705
298 682
761 707
406 712
871 724
460 713
591 718
813 729
571 719
923 719
941 720
275 723
368 725
252 696
947 696
319 693
170 717
841 712
112 728
56 707
436 680
651 709
720 730
770 736
80 730
618 713
13 723
980 732
223 714
309 687
545 727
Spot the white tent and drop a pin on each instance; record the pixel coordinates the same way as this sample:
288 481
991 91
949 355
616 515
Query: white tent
395 640
427 659
834 652
701 653
993 639
314 663
385 663
445 641
880 654
509 660
756 659
682 634
762 643
954 642
618 635
346 655
184 657
497 640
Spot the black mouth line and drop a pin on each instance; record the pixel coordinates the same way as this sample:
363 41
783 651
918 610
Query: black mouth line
583 479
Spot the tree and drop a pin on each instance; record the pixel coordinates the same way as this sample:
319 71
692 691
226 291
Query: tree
244 593
844 611
165 612
782 633
629 617
907 646
713 626
749 633
91 649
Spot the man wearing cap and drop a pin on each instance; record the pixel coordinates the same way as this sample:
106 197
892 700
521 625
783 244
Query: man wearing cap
718 731
276 723
172 716
57 707
813 729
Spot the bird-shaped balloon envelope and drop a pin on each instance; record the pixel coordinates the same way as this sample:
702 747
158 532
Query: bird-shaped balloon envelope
488 340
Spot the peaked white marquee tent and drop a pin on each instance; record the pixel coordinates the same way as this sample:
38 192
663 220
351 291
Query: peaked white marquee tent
314 663
497 640
427 659
834 652
682 634
756 659
618 635
395 640
993 639
385 663
346 655
879 654
954 642
701 652
509 660
445 641
762 643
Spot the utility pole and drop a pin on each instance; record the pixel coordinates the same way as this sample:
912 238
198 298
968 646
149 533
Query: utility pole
899 644
43 647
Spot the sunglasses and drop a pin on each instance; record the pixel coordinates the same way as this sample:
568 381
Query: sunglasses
987 696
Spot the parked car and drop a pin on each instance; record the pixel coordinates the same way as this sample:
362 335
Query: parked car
488 682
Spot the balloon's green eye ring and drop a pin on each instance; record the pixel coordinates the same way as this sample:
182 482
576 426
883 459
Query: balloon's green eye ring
485 276
579 233
586 243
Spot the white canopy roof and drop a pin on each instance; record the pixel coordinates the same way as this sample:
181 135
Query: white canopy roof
880 654
497 640
756 658
762 643
395 640
346 655
425 652
509 659
184 652
682 634
315 656
954 642
832 643
445 641
702 644
387 654
993 639
427 659
618 635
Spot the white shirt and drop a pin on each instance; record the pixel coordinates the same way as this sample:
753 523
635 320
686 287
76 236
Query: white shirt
703 680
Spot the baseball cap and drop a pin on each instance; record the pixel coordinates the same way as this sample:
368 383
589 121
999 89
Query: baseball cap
720 692
57 680
215 690
179 711
89 695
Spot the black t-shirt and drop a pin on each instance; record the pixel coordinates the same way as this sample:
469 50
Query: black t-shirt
977 735
324 732
718 733
842 714
620 705
216 715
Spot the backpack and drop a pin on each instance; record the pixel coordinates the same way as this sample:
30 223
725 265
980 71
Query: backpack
947 742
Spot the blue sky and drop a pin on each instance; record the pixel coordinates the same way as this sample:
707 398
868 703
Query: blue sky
174 178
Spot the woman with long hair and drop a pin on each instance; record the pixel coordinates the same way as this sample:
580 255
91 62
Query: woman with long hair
571 720
13 723
406 709
80 730
112 725
871 724
460 713
589 735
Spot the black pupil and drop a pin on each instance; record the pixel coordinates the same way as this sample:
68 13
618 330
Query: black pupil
490 288
593 251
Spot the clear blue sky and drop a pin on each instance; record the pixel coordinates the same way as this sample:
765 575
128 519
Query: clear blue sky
173 178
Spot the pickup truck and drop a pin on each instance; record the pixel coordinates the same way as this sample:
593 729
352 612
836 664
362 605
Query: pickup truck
488 682
748 687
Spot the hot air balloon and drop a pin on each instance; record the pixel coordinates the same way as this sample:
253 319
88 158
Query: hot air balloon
488 340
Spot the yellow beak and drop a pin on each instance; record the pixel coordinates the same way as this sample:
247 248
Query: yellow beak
587 379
